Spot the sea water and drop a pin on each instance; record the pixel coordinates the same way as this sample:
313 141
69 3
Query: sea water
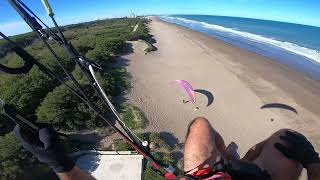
295 45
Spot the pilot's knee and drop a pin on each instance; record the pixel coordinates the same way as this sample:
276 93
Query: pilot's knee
197 124
199 121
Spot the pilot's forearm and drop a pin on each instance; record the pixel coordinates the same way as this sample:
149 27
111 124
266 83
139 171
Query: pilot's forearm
75 174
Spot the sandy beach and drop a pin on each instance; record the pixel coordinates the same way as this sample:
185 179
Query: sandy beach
240 82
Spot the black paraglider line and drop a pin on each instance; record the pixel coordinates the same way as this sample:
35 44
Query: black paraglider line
84 65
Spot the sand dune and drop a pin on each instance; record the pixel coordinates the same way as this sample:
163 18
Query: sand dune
240 82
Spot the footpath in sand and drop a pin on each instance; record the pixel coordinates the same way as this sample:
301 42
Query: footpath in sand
239 81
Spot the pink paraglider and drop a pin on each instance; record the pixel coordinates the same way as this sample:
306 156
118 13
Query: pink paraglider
188 88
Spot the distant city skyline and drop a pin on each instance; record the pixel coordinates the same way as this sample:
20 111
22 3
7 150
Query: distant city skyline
305 12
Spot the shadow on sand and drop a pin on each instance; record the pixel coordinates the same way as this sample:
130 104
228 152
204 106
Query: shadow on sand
176 155
279 106
206 93
169 138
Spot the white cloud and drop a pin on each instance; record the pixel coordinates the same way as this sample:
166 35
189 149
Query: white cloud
13 28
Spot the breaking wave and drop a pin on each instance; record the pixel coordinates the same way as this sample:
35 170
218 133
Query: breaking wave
291 47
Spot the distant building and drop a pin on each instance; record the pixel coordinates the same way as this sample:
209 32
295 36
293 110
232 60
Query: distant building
132 15
111 165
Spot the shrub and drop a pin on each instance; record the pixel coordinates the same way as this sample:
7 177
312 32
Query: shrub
65 111
163 158
121 145
154 137
13 158
133 117
150 174
26 93
110 44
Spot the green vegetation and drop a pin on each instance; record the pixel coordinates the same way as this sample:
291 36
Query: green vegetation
150 174
13 158
34 94
160 149
26 93
121 145
65 111
159 142
150 47
22 40
133 117
141 32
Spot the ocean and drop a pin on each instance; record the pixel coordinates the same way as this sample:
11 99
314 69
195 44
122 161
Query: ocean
295 45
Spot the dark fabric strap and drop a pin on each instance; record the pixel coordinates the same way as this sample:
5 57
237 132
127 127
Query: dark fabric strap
25 56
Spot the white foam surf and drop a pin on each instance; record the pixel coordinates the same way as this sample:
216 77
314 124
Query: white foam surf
291 47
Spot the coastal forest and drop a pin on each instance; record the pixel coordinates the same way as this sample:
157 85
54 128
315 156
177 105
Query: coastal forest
39 98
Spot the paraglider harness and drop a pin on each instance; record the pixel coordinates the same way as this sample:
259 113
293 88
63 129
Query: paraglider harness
88 68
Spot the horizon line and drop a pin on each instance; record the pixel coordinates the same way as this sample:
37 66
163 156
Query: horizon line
311 25
106 18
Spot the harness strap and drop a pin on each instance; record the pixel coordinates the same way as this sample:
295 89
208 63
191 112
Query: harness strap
220 176
26 57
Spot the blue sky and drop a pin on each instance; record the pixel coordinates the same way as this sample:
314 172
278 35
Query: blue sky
73 11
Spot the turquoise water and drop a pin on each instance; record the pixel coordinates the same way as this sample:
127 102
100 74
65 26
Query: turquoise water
297 46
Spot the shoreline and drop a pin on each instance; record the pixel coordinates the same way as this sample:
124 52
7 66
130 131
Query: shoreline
240 81
284 55
260 66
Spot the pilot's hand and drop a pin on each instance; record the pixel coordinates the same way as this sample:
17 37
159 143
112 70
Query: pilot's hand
299 148
46 146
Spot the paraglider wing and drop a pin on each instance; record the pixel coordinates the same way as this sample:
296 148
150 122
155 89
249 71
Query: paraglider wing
188 88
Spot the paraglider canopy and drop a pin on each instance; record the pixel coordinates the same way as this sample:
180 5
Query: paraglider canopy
187 88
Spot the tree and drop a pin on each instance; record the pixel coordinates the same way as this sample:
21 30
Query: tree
110 44
6 125
65 111
13 158
85 43
26 93
22 40
103 58
34 92
46 58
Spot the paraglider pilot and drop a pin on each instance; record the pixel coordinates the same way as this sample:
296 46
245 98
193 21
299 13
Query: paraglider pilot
282 156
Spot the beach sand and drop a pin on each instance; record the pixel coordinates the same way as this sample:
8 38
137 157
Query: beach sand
241 82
